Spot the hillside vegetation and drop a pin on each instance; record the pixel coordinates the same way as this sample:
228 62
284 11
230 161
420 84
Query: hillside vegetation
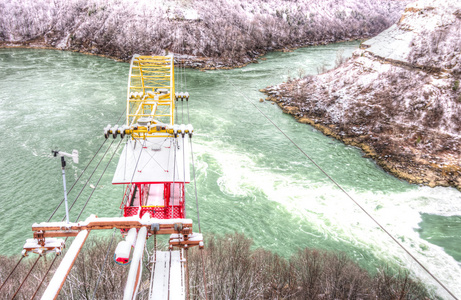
398 97
233 271
204 33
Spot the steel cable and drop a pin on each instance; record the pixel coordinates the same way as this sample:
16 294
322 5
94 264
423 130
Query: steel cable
62 201
41 282
113 234
104 264
75 182
344 191
195 186
103 172
81 214
44 276
24 280
12 271
195 190
88 180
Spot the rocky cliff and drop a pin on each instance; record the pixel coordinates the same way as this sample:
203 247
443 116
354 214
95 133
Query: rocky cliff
398 97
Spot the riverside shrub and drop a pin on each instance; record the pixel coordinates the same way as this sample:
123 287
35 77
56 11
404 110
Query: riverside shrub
234 270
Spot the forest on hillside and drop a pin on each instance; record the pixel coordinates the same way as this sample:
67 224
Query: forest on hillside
232 269
206 33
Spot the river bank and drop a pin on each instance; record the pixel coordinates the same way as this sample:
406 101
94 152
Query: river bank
201 34
397 98
389 158
182 60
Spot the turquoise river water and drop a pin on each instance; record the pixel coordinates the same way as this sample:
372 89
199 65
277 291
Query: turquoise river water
250 178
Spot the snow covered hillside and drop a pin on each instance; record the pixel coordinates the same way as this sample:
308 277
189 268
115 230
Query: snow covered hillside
207 33
398 97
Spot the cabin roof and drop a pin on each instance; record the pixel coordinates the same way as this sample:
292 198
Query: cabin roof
153 161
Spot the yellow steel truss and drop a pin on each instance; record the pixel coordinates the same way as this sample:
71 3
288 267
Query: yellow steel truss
151 96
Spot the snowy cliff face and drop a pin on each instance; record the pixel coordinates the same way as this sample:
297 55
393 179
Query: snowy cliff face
398 97
221 32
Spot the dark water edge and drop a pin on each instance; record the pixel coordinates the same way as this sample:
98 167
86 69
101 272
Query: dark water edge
443 231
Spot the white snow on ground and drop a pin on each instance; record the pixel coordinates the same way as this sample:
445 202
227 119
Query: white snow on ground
419 18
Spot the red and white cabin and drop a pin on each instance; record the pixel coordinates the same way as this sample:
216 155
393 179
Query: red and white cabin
155 171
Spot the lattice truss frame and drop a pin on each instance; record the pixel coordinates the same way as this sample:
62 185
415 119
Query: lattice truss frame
151 96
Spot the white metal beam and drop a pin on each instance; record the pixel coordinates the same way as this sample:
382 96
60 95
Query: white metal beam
134 276
59 277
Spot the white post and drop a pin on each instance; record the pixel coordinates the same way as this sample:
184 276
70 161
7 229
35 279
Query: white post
59 277
74 156
134 276
65 191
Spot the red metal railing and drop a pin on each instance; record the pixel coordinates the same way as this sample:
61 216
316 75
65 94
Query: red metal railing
156 212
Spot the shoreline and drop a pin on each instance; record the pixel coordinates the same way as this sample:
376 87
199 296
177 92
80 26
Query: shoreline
191 62
429 175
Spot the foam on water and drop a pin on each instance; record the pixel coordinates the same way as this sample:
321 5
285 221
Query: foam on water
336 217
250 178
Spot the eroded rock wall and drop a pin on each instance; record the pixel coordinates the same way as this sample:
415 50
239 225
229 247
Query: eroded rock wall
398 97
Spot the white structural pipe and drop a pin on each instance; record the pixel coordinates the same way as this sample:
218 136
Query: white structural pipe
134 277
59 277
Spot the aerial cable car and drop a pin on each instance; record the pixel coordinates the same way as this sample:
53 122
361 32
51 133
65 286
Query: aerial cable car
154 166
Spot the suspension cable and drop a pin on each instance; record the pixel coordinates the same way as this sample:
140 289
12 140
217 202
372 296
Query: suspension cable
89 197
203 273
75 182
103 172
169 272
343 190
104 264
9 275
12 271
154 265
195 186
88 180
113 234
44 276
22 283
184 171
193 169
134 170
174 175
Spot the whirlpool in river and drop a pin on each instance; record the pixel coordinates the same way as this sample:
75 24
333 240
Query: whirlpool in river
250 178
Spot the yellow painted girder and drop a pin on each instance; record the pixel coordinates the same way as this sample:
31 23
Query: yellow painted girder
154 74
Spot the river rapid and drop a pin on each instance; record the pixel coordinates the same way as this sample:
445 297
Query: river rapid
250 178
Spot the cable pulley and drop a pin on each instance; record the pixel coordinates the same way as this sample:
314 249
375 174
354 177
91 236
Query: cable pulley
183 129
182 96
114 131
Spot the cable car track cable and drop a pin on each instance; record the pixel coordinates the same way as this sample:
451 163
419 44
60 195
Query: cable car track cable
24 280
113 233
104 171
343 190
88 180
44 276
9 275
54 212
75 182
79 217
41 282
104 263
195 190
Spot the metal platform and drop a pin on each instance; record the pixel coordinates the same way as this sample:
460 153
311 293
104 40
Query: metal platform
168 280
